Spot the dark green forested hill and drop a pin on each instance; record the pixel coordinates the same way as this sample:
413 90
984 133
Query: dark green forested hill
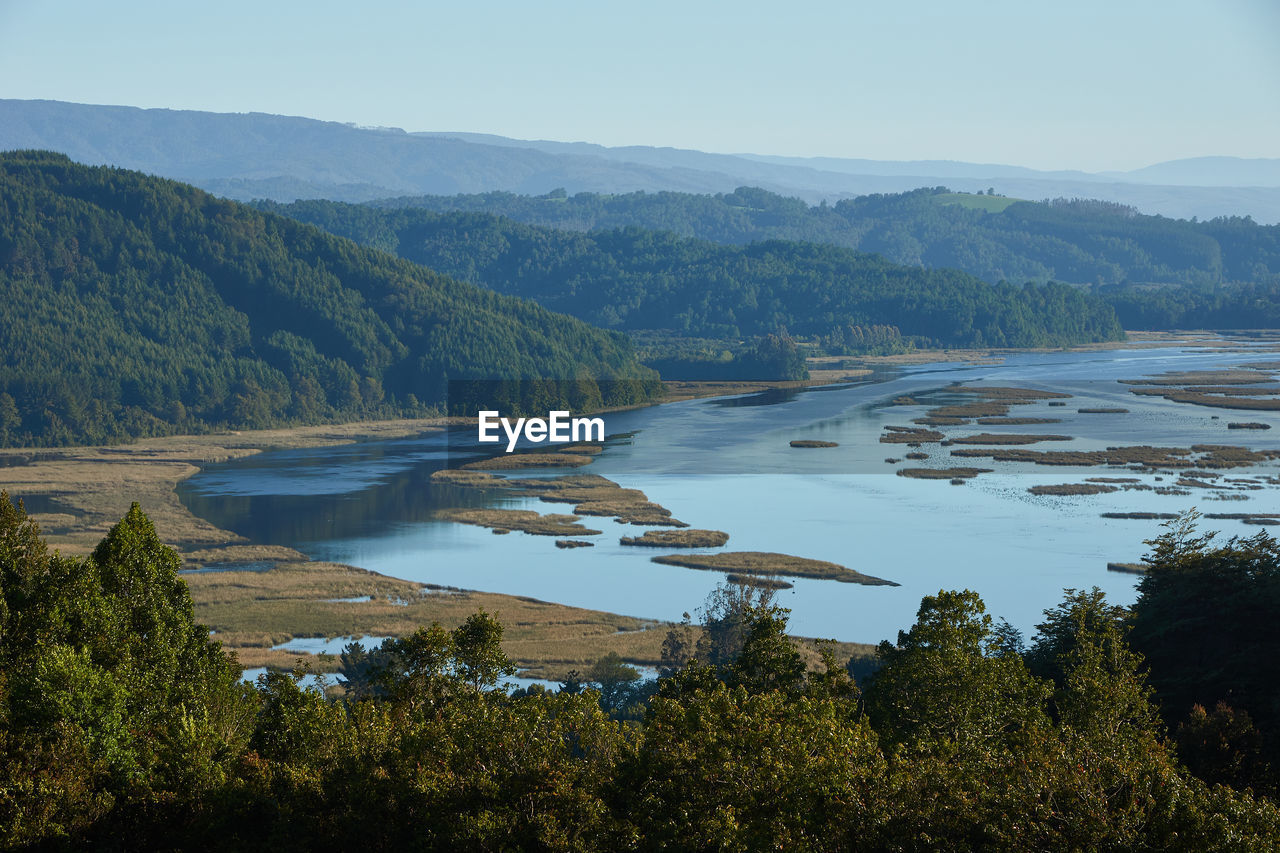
1078 242
135 305
635 279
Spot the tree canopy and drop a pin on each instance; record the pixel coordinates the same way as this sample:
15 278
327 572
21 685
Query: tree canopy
639 279
123 726
139 306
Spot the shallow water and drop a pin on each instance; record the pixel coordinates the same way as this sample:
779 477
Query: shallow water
726 464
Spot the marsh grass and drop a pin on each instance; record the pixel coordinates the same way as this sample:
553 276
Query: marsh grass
767 563
941 473
529 460
598 496
253 611
806 442
522 520
1073 489
908 435
471 479
1151 457
687 538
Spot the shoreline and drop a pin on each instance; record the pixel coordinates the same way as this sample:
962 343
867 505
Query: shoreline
252 609
82 491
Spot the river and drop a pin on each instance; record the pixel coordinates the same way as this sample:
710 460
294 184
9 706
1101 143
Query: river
726 464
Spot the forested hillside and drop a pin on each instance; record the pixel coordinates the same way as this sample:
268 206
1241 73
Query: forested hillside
636 279
135 305
994 238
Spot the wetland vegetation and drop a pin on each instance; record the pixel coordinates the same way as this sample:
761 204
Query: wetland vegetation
770 564
686 538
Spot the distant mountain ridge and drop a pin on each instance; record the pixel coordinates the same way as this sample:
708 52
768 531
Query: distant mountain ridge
256 155
994 238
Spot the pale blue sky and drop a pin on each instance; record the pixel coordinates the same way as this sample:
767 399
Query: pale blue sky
1086 84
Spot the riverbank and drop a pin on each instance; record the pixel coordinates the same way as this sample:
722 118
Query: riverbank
257 598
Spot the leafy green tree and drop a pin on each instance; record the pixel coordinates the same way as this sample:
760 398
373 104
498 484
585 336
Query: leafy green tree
615 680
769 660
1204 622
1080 614
945 683
723 769
477 648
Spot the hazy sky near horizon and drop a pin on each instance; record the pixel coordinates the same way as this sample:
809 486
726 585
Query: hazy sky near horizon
1085 85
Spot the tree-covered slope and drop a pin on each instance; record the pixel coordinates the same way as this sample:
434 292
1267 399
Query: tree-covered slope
637 279
135 305
1076 242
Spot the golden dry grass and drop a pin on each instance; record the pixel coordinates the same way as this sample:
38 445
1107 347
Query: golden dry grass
941 473
529 460
598 496
687 538
252 611
768 564
522 520
1073 489
908 435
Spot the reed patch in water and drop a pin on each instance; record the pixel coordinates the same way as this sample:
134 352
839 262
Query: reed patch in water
809 442
1065 489
768 563
687 538
523 520
529 460
1199 455
942 473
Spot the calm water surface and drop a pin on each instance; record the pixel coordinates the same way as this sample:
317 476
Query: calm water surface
725 464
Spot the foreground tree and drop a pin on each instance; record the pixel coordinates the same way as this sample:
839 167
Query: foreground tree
1205 621
115 702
